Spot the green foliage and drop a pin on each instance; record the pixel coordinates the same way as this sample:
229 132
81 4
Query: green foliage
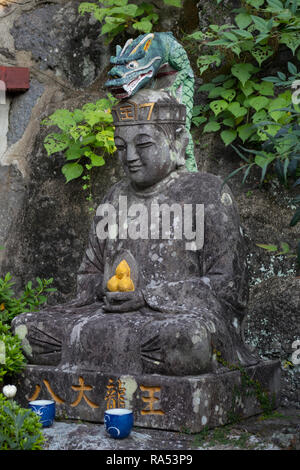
284 247
239 99
29 300
20 429
11 358
118 15
86 136
243 106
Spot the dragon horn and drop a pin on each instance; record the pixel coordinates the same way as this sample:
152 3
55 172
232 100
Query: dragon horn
147 37
126 45
118 50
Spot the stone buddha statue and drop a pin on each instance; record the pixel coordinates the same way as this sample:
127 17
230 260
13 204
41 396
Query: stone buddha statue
163 283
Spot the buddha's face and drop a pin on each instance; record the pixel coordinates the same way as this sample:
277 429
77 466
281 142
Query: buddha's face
145 154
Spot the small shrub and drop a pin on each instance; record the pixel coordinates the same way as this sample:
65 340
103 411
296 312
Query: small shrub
30 300
86 136
20 429
12 360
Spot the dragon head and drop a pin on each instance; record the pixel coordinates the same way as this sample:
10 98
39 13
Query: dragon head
134 66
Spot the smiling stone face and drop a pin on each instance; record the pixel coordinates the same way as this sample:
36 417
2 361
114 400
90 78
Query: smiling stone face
145 152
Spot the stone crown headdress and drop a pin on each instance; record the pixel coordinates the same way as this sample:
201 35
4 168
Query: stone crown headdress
131 113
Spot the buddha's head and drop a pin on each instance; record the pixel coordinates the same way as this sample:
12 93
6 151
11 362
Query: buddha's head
150 136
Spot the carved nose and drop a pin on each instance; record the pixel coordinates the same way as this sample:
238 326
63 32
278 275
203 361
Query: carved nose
132 155
115 73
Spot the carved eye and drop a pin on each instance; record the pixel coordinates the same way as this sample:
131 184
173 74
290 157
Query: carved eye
132 65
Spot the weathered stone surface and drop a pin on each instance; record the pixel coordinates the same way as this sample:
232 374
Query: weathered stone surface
20 111
272 326
275 432
62 40
158 401
12 191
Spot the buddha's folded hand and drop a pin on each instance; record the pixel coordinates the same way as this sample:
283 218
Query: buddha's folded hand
119 302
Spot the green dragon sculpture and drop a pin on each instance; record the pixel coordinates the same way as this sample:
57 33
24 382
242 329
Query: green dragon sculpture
144 60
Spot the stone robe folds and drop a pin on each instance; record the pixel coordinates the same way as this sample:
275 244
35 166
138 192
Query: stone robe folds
194 300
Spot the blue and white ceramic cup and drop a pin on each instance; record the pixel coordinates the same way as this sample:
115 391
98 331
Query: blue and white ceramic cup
45 409
118 422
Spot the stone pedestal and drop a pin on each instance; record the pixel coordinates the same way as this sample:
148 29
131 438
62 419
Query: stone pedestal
161 402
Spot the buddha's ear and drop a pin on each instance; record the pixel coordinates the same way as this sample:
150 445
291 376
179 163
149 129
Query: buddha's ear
182 138
181 142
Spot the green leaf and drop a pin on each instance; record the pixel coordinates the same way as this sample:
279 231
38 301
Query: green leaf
144 26
266 131
61 118
243 20
197 36
228 136
56 143
247 89
215 92
211 126
259 116
236 109
255 3
262 53
198 120
75 151
261 37
173 3
285 248
259 102
281 75
243 72
280 102
198 109
264 161
292 68
228 95
205 61
229 83
265 88
108 28
267 247
261 24
206 87
291 40
230 36
126 10
72 171
218 106
96 160
276 5
245 131
115 20
78 115
229 122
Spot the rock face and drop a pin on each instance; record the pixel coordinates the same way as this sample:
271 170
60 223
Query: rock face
273 326
61 40
45 222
